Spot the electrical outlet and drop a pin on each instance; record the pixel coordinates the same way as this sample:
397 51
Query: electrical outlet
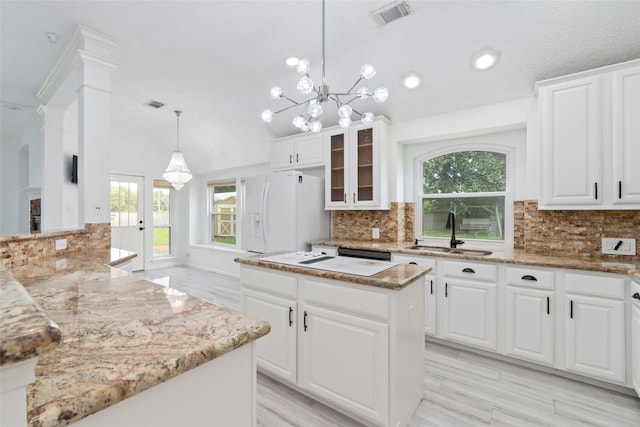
61 244
97 210
615 246
375 233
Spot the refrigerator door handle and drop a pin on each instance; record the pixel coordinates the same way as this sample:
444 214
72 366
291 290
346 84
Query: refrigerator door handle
263 211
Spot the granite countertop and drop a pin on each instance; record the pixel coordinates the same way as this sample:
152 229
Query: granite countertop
630 267
394 278
120 333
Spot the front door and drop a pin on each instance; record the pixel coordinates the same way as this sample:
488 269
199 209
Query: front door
127 216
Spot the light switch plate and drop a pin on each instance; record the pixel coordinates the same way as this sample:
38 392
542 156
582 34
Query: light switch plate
624 246
375 233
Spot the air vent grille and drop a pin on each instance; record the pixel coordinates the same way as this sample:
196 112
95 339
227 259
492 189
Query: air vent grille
391 12
154 104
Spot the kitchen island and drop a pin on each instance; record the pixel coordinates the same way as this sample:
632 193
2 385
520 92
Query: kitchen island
353 342
134 352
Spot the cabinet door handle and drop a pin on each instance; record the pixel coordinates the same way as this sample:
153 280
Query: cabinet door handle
529 277
345 198
596 188
290 159
636 296
297 157
304 323
290 316
619 189
571 309
468 270
547 305
354 197
432 287
413 263
446 290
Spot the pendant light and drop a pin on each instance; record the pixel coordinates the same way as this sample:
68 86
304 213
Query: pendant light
177 173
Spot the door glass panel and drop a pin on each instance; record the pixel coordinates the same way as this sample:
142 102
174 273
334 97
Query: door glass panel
338 190
124 204
365 165
161 220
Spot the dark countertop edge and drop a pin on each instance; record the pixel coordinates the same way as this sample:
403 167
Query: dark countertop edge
601 265
331 275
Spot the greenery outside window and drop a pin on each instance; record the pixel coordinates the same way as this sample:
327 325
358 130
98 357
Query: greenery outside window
473 185
222 212
161 219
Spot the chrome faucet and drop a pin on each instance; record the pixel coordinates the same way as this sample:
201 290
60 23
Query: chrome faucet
451 224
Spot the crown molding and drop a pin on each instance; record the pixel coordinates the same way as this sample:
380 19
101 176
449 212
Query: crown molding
83 38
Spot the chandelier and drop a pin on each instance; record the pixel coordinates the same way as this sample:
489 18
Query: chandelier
309 118
177 173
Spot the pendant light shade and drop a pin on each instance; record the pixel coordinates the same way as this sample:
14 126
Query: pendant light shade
177 173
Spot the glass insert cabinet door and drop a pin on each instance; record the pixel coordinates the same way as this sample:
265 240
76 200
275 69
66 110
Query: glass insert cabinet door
338 172
364 164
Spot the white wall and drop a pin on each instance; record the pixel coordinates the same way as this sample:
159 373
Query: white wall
8 187
70 219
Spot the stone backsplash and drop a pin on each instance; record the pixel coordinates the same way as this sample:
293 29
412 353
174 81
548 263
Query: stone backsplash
19 250
395 224
572 232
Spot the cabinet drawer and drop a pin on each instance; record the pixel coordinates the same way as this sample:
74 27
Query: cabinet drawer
530 278
347 299
328 250
594 285
420 260
471 270
266 281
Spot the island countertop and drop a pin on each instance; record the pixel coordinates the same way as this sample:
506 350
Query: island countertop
627 265
394 278
120 334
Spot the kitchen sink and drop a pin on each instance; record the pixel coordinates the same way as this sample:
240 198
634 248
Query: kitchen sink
458 251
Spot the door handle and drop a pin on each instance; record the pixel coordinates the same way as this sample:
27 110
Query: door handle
529 277
596 190
432 287
297 158
571 309
290 159
354 197
290 318
636 296
304 322
547 305
446 290
468 270
141 228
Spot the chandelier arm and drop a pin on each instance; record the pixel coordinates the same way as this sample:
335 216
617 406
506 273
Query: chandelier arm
295 104
292 101
351 100
355 84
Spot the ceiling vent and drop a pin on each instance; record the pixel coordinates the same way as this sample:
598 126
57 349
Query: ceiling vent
392 11
154 104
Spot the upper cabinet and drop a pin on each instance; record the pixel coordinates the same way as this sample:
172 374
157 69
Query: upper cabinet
356 171
589 139
297 152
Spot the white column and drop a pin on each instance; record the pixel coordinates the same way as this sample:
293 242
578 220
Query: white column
52 169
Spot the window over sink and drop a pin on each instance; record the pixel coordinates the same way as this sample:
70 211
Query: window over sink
473 184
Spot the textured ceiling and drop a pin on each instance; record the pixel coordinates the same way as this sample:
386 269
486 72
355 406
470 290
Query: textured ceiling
217 60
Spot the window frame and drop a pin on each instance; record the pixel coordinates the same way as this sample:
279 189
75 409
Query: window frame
159 183
210 195
509 194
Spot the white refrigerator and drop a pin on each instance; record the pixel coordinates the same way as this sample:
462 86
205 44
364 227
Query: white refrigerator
283 211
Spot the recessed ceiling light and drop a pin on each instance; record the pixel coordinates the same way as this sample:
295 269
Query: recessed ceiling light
411 80
292 61
485 59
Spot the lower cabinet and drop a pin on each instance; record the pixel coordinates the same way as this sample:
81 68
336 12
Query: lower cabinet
595 326
430 288
346 361
470 306
635 337
530 319
356 348
276 352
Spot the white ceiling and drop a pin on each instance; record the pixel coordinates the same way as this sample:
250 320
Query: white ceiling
217 60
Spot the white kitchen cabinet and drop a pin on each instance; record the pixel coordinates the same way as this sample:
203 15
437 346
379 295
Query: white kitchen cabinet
469 305
626 136
356 174
359 349
635 337
297 152
595 326
346 361
276 353
529 322
588 139
430 289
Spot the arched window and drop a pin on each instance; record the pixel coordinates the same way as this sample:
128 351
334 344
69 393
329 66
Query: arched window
473 185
